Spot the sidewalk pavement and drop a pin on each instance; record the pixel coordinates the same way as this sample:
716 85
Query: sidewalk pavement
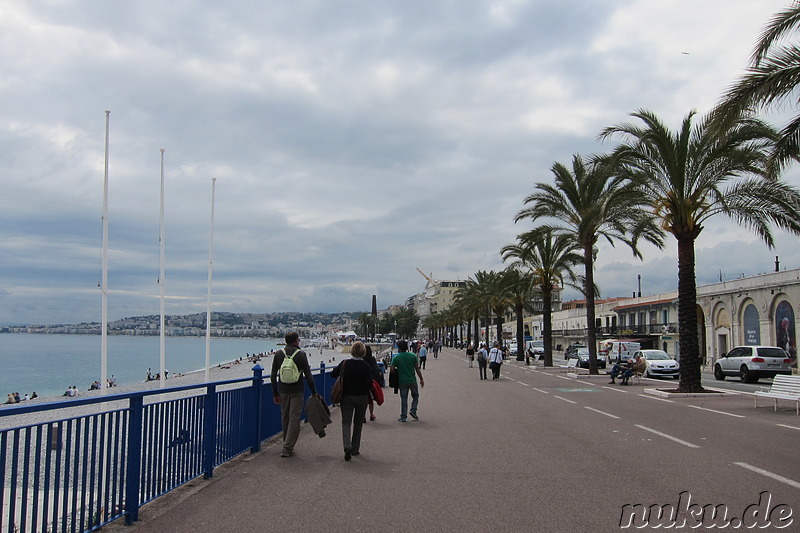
473 462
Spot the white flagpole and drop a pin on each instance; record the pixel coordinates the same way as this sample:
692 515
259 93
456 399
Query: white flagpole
162 374
104 283
210 263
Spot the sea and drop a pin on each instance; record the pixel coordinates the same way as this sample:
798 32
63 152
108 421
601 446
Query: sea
48 364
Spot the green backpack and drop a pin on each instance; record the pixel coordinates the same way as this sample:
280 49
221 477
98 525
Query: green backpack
288 372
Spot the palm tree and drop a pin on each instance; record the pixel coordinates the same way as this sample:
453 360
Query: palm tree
469 301
693 174
590 201
521 286
548 256
772 78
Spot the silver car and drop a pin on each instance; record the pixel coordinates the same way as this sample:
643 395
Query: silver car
753 362
659 364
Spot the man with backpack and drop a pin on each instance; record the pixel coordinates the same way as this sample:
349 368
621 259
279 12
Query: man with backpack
288 367
483 358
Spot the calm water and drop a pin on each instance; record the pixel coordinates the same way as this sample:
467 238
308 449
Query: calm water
48 364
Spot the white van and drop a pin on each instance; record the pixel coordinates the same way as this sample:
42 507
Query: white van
616 351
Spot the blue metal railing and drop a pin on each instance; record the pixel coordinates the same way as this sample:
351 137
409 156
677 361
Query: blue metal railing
79 473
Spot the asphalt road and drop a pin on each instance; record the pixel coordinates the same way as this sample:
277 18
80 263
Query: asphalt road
535 451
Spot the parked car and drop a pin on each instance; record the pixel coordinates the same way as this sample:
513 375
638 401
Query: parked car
572 349
659 364
512 349
583 358
753 362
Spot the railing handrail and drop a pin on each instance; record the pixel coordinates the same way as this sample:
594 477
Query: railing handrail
20 409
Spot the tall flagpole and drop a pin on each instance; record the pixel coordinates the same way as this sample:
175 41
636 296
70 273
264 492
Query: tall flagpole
162 373
104 283
210 263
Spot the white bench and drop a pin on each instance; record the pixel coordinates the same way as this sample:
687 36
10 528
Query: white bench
783 388
571 363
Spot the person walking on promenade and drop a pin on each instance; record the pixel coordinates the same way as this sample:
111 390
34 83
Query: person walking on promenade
470 354
495 360
406 365
356 378
290 395
423 356
483 359
376 375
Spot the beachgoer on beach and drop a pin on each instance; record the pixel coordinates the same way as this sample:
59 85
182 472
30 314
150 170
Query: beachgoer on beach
356 385
406 365
290 395
11 398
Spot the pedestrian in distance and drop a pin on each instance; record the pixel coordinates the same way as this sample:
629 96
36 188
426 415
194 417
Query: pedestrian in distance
483 359
495 360
356 376
407 367
289 394
423 355
470 354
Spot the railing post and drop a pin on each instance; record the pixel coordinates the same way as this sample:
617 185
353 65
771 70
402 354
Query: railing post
258 393
209 430
323 389
133 467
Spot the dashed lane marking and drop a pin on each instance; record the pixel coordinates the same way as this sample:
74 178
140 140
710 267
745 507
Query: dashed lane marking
615 389
521 383
540 390
790 427
670 437
560 398
767 473
715 411
656 398
601 412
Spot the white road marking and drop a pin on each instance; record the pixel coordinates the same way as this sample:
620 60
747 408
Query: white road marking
670 437
790 427
615 389
540 390
715 411
767 473
560 398
601 412
521 383
656 398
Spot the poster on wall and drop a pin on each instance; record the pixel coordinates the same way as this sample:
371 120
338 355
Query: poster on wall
752 333
785 334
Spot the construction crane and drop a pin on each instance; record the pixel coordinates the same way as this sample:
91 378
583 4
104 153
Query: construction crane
424 275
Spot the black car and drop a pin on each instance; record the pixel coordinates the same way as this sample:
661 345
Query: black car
583 359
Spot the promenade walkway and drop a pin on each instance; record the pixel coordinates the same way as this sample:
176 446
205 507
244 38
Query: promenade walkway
531 452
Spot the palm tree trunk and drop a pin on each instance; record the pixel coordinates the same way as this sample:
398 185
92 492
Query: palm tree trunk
520 335
687 318
499 318
591 333
547 334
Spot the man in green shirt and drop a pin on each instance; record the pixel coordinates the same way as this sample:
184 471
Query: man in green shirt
406 365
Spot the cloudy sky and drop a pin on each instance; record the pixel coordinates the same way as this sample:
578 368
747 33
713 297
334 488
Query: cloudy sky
352 141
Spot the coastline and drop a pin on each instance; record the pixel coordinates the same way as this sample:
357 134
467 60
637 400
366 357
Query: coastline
220 372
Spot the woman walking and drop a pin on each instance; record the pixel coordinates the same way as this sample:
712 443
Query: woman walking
356 378
376 375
